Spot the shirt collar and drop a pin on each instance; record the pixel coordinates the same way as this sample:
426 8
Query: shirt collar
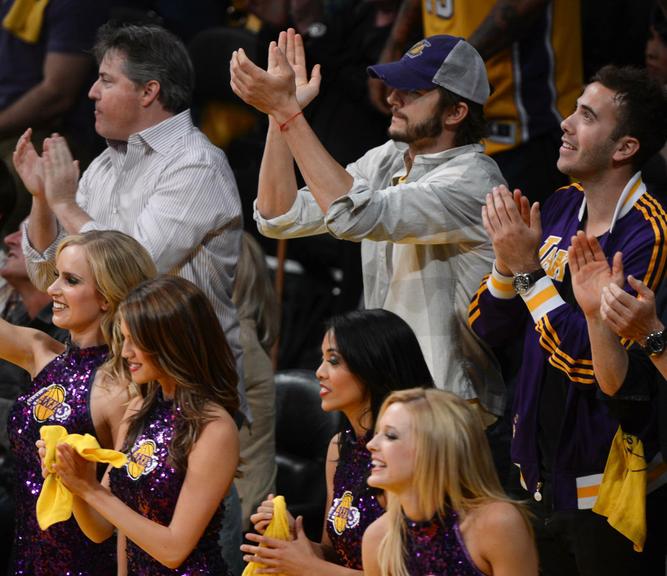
633 190
439 157
161 136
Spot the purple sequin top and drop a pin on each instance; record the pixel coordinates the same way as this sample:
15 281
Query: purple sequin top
354 505
150 485
59 395
436 548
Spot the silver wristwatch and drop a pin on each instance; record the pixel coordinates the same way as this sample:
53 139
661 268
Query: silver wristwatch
524 281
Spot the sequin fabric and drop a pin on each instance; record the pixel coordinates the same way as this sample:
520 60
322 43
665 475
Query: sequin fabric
151 486
354 505
59 394
436 548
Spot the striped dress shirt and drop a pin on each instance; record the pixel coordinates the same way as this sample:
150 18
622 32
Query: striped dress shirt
173 191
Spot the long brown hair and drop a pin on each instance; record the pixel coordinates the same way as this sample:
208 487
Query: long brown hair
172 320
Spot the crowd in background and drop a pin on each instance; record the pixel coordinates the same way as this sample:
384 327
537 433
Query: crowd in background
204 182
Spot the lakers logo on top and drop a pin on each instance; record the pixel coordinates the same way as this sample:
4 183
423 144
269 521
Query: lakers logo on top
141 461
342 514
418 48
553 259
49 404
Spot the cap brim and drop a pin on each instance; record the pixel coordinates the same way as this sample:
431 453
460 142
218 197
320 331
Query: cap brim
399 76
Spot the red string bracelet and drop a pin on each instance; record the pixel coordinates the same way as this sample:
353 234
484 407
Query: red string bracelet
283 126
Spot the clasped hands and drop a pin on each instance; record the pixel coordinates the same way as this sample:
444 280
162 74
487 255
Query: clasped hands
76 473
599 291
283 89
515 229
53 176
293 557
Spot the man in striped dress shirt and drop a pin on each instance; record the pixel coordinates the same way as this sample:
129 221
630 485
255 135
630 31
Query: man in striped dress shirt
159 179
562 428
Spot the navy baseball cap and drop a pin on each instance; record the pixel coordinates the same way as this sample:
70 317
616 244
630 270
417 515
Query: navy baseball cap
441 60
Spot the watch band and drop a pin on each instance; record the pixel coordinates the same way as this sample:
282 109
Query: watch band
524 281
655 343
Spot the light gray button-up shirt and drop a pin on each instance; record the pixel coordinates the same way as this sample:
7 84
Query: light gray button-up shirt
424 251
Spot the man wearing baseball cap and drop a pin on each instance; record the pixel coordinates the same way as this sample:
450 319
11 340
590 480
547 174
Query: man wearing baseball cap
414 202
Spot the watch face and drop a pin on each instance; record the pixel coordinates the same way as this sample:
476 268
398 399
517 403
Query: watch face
655 343
521 283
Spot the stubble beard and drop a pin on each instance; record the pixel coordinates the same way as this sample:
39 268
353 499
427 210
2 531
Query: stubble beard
427 130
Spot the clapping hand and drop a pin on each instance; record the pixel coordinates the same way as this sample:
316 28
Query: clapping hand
591 272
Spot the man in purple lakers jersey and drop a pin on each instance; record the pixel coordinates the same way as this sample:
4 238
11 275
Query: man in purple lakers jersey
562 427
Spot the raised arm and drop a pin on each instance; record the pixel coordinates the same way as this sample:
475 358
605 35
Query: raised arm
407 21
277 181
26 347
203 489
275 94
505 23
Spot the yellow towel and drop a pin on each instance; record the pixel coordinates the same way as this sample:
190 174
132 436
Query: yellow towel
277 528
55 501
622 496
25 19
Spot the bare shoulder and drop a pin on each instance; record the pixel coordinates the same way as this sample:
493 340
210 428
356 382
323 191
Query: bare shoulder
499 539
112 388
495 519
376 530
221 426
333 451
370 545
219 436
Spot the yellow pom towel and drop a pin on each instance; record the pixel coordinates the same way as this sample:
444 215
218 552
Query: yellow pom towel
278 528
25 19
55 501
622 496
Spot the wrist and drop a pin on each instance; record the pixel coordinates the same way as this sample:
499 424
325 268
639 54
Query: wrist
654 327
527 266
654 343
61 208
92 492
284 113
502 268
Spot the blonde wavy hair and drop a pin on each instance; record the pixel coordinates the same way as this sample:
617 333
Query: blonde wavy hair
453 466
118 263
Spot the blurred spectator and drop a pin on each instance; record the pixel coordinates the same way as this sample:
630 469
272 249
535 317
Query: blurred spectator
654 172
656 50
604 22
259 318
45 68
